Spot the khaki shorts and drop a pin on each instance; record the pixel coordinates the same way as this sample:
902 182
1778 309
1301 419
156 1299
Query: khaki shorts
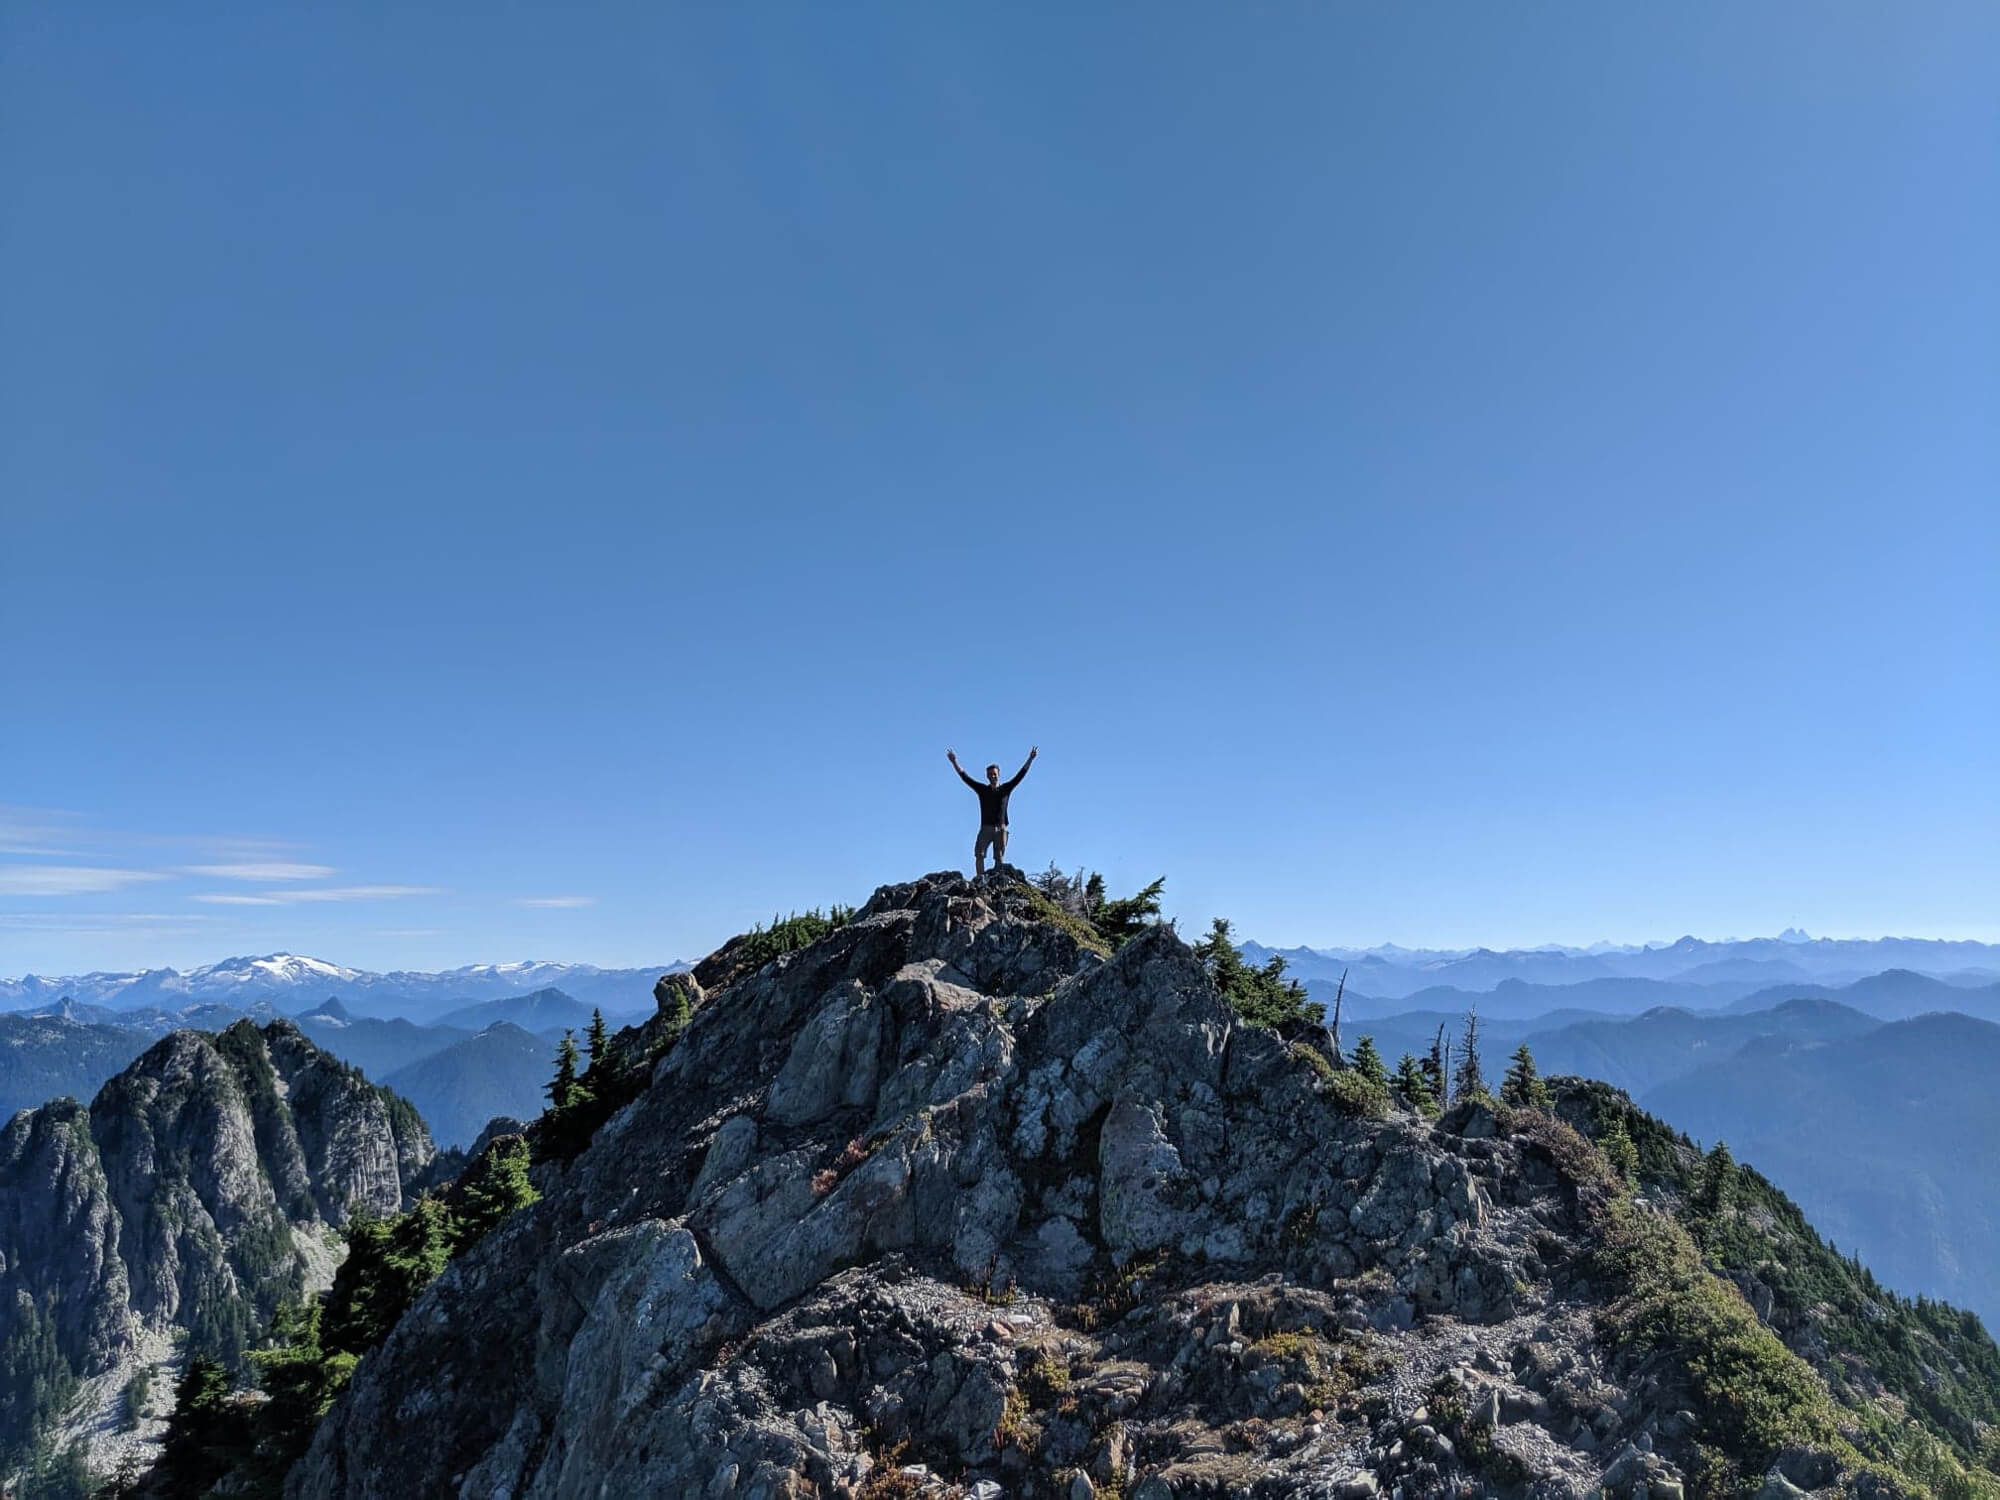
994 836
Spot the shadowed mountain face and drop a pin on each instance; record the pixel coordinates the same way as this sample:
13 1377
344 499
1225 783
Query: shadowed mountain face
544 1011
1894 995
1648 1050
1890 1141
48 1057
375 1046
500 1071
194 1194
954 1186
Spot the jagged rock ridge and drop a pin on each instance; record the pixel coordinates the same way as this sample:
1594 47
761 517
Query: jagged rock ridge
949 1189
193 1194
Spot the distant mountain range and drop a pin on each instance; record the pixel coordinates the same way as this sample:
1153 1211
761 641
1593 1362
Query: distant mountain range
290 983
1745 965
492 1060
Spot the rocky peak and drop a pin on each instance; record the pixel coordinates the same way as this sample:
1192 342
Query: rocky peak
954 1201
193 1194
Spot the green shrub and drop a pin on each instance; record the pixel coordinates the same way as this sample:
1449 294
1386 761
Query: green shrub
1313 1058
1044 909
1355 1094
1616 1144
1899 1366
1755 1396
790 934
138 1392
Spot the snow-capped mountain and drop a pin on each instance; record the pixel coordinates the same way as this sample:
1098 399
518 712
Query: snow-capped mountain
291 983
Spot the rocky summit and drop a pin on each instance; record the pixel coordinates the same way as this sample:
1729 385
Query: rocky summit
955 1201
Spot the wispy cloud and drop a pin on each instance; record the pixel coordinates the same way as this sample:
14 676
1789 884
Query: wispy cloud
38 831
365 892
126 924
261 870
555 901
68 880
59 833
70 921
319 893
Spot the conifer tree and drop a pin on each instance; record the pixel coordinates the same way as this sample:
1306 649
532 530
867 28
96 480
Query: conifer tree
1616 1143
1435 1072
1468 1082
562 1089
195 1451
1218 954
596 1040
1119 921
1261 996
1368 1062
1523 1087
670 995
1718 1182
1414 1084
493 1187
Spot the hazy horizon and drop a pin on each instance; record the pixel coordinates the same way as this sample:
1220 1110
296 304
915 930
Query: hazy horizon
190 963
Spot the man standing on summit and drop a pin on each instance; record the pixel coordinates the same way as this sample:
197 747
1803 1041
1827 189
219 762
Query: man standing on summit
993 793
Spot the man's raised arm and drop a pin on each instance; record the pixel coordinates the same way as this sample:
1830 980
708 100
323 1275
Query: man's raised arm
1032 753
952 756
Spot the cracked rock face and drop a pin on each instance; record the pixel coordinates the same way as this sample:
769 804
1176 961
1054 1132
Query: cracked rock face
184 1197
948 1202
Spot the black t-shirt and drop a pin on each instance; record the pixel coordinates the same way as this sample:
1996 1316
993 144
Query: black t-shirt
993 799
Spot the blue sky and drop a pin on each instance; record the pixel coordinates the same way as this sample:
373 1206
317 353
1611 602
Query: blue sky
1448 475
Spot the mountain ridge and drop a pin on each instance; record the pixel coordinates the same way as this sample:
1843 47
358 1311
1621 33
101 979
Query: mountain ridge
190 1196
956 1200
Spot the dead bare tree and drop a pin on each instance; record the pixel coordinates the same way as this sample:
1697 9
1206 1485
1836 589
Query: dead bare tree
1334 1029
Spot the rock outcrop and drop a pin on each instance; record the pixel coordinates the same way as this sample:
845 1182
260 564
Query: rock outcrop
195 1193
949 1203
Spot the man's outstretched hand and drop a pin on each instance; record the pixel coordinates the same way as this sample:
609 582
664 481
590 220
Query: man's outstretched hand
952 756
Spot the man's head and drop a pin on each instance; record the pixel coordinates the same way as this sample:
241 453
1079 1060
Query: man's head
993 775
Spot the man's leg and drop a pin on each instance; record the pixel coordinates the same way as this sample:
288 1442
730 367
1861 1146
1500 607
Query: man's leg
979 851
1000 846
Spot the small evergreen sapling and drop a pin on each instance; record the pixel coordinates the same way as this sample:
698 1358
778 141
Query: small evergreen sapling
564 1090
1368 1063
1717 1188
1616 1144
1523 1087
1414 1084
